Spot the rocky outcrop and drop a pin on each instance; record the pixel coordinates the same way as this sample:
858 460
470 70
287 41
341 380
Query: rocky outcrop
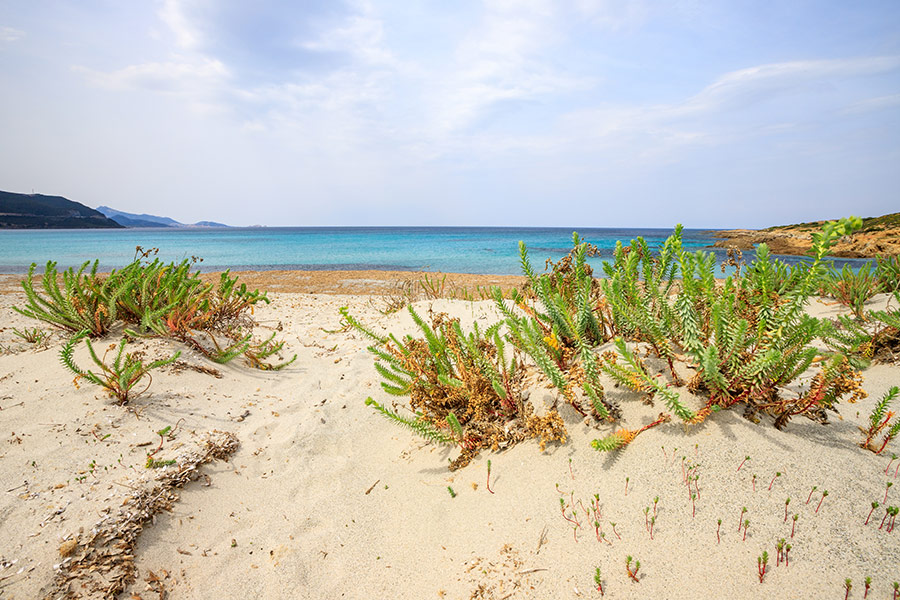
878 236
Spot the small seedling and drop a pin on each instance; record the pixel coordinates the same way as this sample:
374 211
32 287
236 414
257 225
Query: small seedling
896 590
794 525
787 552
754 482
874 506
777 475
847 585
814 488
824 495
647 518
718 527
740 519
489 476
868 584
888 468
887 513
598 580
571 473
452 493
614 530
693 505
894 512
786 502
746 458
626 486
653 522
886 488
655 502
761 564
632 573
746 527
779 548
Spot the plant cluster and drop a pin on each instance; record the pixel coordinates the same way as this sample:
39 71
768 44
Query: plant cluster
119 378
153 298
463 388
747 339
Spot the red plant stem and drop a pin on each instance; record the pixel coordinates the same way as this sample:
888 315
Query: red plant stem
575 533
808 498
616 532
891 523
870 516
793 525
888 468
745 535
820 503
693 507
626 486
570 471
866 593
597 530
897 469
489 482
786 551
883 501
718 539
653 522
882 519
785 513
771 483
754 483
742 464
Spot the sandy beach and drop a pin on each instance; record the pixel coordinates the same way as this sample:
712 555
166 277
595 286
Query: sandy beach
324 498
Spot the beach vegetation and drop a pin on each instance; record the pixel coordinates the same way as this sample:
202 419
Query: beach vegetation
880 421
33 335
464 387
118 378
86 300
853 288
887 270
155 298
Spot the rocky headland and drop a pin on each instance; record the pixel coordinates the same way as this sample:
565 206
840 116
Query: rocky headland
878 236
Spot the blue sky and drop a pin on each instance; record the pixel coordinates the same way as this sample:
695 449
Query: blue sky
578 113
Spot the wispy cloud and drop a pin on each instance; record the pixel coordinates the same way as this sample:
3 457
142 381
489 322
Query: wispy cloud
184 75
9 34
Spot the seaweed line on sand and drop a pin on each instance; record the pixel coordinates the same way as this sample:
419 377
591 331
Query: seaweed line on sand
102 565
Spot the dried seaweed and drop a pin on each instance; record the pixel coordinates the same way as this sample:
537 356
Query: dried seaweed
102 565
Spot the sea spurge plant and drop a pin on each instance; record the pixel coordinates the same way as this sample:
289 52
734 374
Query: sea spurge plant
880 421
86 301
853 288
562 325
118 378
622 437
467 386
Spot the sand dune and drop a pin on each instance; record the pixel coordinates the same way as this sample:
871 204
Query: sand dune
325 499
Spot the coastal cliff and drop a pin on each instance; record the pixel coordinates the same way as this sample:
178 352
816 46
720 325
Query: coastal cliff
878 236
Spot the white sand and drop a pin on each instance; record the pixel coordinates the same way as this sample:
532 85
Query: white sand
293 499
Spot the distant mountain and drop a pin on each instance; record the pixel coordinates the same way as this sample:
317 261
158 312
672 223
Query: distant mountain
36 211
145 220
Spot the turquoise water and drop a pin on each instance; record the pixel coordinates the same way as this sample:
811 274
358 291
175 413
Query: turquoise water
482 250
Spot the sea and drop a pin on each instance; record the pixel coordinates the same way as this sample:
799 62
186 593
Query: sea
478 250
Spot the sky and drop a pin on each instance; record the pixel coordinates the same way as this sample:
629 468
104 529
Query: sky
571 113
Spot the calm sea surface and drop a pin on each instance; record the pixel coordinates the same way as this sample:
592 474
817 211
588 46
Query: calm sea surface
482 250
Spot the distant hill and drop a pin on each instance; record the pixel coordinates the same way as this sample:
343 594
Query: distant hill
36 211
145 220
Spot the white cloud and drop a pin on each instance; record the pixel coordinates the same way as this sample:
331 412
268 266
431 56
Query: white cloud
182 75
174 14
8 34
873 104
